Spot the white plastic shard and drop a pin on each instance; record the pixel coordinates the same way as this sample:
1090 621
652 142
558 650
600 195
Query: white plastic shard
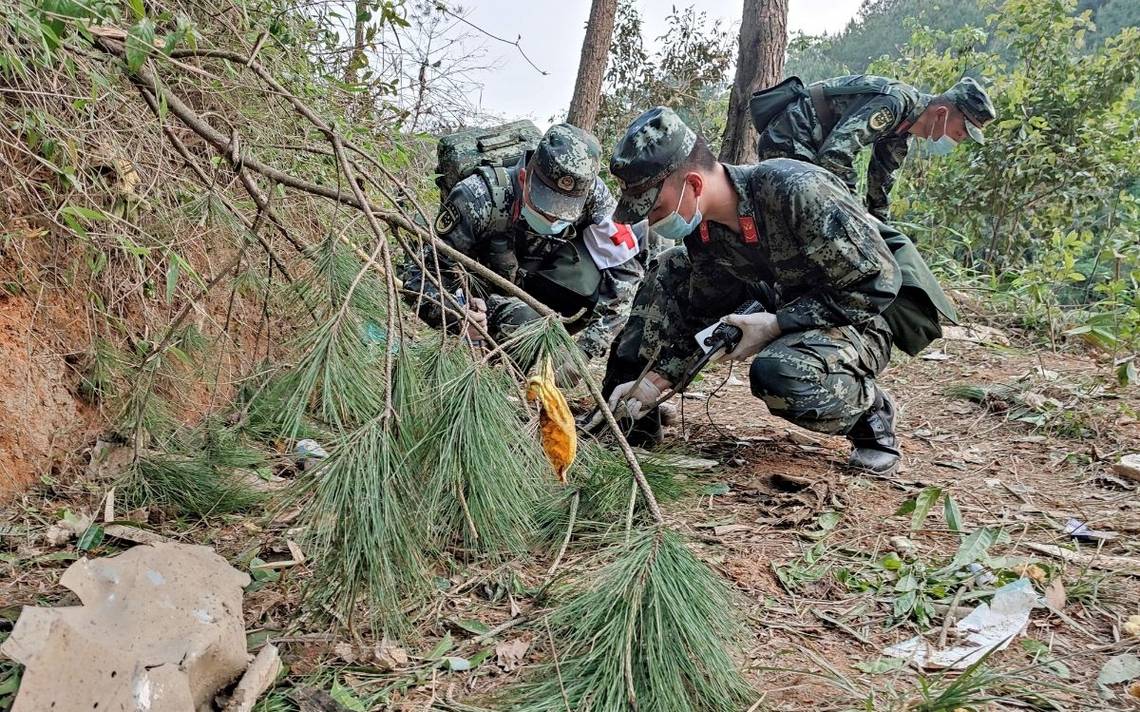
991 626
160 629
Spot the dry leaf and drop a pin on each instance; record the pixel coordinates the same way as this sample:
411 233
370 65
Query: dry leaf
390 656
345 652
1055 594
1033 572
295 551
510 655
1132 626
556 422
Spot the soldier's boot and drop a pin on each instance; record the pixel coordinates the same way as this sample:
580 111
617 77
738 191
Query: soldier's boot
873 438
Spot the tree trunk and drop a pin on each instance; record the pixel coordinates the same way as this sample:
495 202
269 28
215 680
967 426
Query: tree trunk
357 59
763 43
592 66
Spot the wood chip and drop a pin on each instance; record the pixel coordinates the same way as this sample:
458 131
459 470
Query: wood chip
731 529
134 535
1104 562
295 551
258 677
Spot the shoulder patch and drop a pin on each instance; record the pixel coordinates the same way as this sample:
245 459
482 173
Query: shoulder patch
881 119
447 219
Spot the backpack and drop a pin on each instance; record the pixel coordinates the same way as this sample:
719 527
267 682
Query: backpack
462 153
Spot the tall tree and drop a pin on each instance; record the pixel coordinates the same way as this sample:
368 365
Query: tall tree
760 64
592 65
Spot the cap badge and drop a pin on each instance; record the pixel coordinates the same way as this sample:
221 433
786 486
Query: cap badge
566 183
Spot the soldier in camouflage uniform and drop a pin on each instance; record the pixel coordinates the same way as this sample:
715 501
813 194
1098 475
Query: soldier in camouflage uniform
828 123
546 226
794 226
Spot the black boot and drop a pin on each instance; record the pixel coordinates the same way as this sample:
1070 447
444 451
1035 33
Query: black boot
873 437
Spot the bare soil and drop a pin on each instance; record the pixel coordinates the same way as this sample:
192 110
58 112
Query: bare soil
804 640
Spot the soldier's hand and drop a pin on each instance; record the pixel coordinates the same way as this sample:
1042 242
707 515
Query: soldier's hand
759 329
634 402
476 316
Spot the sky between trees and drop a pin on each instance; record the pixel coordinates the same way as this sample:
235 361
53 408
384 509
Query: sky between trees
552 32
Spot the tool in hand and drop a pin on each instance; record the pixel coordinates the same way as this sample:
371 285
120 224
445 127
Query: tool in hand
461 300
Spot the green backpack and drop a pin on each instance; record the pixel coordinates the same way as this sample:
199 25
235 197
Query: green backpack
464 152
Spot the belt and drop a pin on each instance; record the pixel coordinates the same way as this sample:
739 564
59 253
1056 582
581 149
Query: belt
822 108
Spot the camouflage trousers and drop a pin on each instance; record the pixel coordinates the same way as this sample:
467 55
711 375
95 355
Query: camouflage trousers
792 133
820 379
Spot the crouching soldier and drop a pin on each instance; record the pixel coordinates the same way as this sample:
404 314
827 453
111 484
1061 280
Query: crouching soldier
829 122
790 234
543 223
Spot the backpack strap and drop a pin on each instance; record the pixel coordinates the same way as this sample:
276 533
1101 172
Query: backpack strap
497 180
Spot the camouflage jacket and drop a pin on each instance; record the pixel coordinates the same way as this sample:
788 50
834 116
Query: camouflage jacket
868 111
801 231
485 224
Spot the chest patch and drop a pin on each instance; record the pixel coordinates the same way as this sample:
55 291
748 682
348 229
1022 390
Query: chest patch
447 219
881 119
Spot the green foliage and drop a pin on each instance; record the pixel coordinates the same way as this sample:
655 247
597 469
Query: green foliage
1046 206
202 473
689 73
650 632
482 465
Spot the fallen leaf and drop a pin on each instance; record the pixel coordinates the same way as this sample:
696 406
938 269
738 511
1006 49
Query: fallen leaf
457 664
390 656
1132 626
1055 594
345 652
509 655
295 551
1033 572
880 666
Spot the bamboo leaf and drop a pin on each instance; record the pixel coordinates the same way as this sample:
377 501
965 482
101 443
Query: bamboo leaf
922 505
952 514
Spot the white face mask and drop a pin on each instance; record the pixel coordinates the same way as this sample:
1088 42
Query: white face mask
944 144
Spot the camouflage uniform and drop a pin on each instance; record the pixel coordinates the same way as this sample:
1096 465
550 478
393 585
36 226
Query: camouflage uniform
830 122
804 233
482 220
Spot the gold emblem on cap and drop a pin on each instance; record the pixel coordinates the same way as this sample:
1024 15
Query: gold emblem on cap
566 183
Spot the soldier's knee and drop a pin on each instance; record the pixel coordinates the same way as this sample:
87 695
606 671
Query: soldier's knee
775 375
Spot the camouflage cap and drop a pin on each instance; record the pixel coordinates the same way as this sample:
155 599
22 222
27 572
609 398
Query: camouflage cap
654 145
564 167
971 99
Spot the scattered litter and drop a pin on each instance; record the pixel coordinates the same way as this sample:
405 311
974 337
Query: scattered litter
936 356
988 627
309 453
1118 669
902 545
1080 531
981 574
160 628
390 656
1129 466
256 680
1132 626
976 334
1104 562
457 664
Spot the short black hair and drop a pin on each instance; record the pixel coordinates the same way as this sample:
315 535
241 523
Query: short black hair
701 158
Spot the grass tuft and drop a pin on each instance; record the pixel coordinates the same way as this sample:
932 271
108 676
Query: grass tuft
652 632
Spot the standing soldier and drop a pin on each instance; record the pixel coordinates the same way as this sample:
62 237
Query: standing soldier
828 123
544 224
833 286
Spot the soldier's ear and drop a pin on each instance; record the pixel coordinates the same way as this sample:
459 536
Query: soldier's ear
696 182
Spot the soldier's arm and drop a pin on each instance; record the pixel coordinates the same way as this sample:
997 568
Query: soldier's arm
843 253
888 155
460 224
709 294
861 128
619 283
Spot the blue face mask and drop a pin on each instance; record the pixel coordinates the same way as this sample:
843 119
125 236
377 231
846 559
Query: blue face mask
540 223
945 144
673 226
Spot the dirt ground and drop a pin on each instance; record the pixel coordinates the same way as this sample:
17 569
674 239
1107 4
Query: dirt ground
783 520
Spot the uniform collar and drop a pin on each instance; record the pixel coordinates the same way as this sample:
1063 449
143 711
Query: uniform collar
739 177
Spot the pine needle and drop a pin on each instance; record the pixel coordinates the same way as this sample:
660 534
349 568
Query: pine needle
650 633
484 470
